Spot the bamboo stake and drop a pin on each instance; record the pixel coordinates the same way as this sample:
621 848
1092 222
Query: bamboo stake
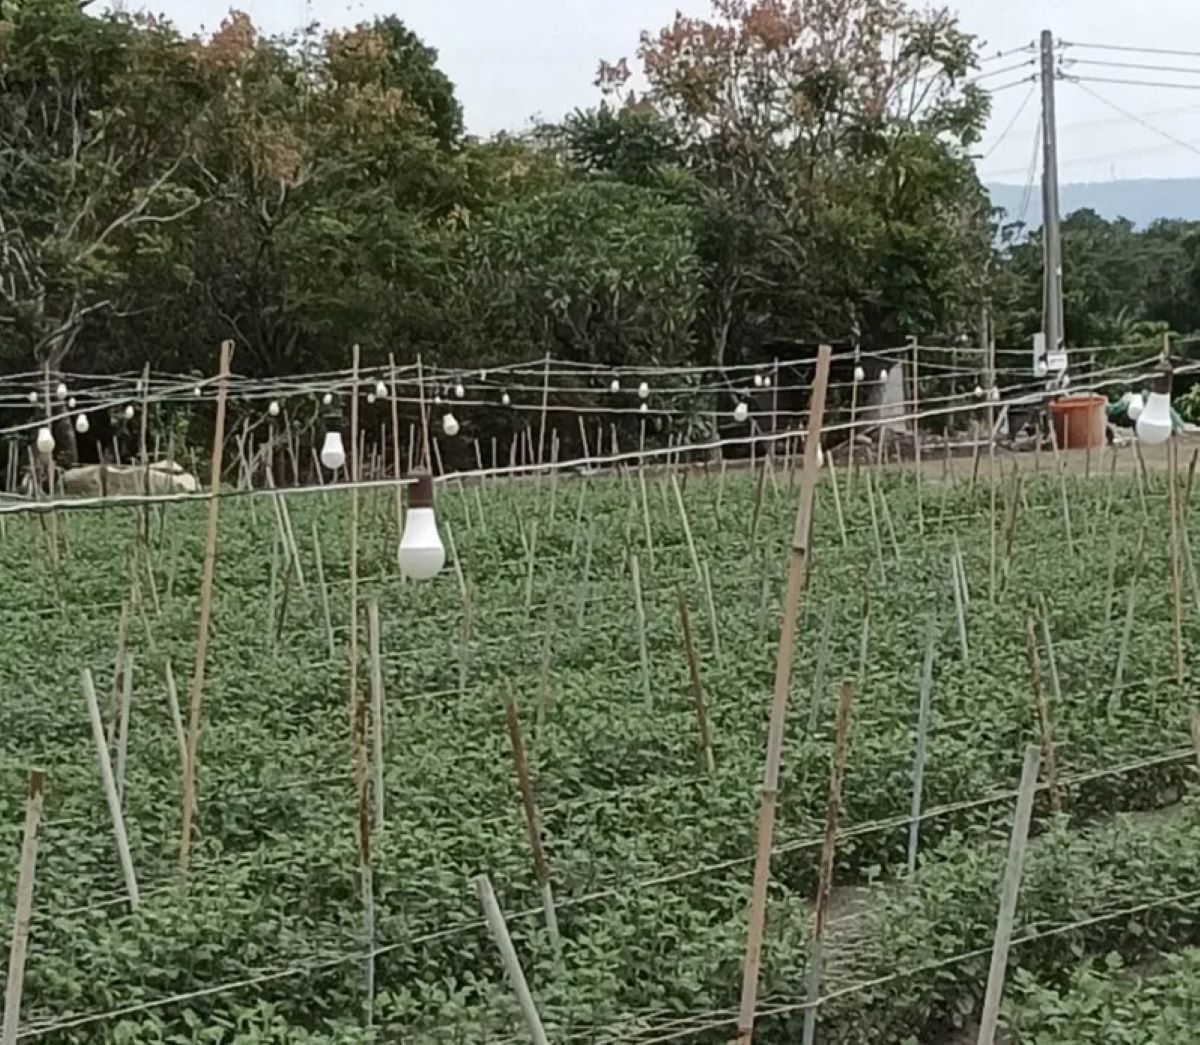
123 722
353 697
1061 468
541 449
837 773
176 717
23 907
864 633
1051 660
960 610
687 529
1008 897
196 705
323 589
916 412
714 627
1042 708
918 773
704 737
508 957
866 478
1176 560
1127 629
397 472
531 558
797 577
110 791
377 721
641 471
365 869
533 827
639 610
543 702
1195 731
837 499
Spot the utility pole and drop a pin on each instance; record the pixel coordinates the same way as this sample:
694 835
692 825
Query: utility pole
1052 314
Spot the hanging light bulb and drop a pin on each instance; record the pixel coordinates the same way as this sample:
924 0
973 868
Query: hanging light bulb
766 381
421 553
614 385
333 451
196 391
71 403
327 399
33 397
459 391
128 412
370 398
450 425
273 409
644 407
758 380
1154 424
380 390
994 394
506 399
883 374
61 391
437 400
45 442
1136 404
978 392
137 385
1041 368
741 413
483 375
644 390
859 374
81 424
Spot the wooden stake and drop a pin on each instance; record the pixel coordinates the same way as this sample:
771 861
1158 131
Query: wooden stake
323 588
703 737
918 773
353 696
837 499
397 466
1041 708
1008 898
541 452
196 705
508 957
23 908
1195 730
1176 560
531 558
110 790
533 827
176 717
377 721
687 529
641 471
797 578
837 773
960 609
714 627
639 610
123 722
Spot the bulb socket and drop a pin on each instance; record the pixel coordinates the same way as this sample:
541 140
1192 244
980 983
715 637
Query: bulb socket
420 493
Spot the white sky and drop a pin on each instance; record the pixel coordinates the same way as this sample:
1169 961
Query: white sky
514 59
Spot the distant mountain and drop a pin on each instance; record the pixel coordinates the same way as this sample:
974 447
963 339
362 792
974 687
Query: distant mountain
1142 202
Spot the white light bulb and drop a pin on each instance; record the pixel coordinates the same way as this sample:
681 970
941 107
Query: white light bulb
81 424
33 397
483 375
741 413
505 399
859 374
45 442
421 553
883 374
61 391
1066 380
370 398
459 391
196 391
978 392
994 394
333 451
450 425
820 458
644 408
71 403
380 390
1041 368
1154 426
1135 406
137 385
273 409
128 412
327 399
644 390
614 385
437 400
766 382
758 380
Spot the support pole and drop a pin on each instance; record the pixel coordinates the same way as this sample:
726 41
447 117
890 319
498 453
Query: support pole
206 594
508 956
797 578
1052 320
23 910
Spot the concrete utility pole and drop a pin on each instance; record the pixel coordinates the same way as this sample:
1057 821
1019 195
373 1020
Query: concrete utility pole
1052 308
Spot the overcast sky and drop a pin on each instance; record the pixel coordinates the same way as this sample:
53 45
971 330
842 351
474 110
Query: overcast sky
512 60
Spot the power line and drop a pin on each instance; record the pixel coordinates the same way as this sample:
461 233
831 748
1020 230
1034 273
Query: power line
1130 49
1134 65
1000 72
1136 119
1009 85
1011 124
1138 83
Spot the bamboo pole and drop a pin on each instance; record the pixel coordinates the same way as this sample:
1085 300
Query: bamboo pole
23 907
711 603
641 471
837 773
837 499
508 957
703 735
1041 708
1008 897
960 609
397 465
541 449
374 645
797 577
531 559
687 529
639 610
323 591
110 790
918 773
1176 560
533 826
207 572
123 722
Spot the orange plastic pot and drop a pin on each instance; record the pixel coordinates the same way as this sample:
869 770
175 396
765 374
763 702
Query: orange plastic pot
1079 421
